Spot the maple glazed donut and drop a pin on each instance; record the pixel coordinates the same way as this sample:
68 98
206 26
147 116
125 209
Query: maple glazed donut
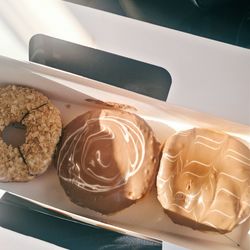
41 120
204 180
107 160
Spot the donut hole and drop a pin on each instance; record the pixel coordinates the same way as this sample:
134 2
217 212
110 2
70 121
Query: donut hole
14 134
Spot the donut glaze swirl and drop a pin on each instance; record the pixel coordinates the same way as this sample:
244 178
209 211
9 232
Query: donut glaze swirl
102 154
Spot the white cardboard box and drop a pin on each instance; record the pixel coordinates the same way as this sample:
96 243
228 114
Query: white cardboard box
64 88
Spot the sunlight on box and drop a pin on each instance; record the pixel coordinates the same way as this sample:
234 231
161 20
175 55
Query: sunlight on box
242 136
22 19
177 126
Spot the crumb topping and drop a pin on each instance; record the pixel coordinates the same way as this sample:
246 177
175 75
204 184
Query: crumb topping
43 130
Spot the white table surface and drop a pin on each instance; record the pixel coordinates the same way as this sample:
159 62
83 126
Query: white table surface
14 241
207 76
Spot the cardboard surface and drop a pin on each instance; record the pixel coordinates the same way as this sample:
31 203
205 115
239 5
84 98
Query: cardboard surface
64 89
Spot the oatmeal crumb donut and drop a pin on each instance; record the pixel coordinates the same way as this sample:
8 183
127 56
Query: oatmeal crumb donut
43 124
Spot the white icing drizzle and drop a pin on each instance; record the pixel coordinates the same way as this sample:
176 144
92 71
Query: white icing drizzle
228 192
188 211
209 224
183 133
162 183
131 134
219 212
237 153
196 175
195 217
208 146
181 163
170 157
222 190
233 177
239 160
211 184
197 162
201 201
106 179
170 188
98 159
160 179
208 139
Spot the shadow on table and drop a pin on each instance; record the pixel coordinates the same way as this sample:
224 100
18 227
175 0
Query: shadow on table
30 219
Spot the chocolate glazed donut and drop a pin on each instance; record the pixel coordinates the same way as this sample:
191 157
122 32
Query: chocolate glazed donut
107 160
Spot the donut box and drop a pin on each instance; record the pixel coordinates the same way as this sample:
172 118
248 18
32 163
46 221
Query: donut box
74 95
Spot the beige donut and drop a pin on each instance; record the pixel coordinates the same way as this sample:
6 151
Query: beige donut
204 180
43 129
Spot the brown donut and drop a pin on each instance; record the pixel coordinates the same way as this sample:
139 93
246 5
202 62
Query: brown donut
43 124
204 180
107 160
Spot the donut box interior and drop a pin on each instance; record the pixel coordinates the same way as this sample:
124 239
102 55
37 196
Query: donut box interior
72 95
